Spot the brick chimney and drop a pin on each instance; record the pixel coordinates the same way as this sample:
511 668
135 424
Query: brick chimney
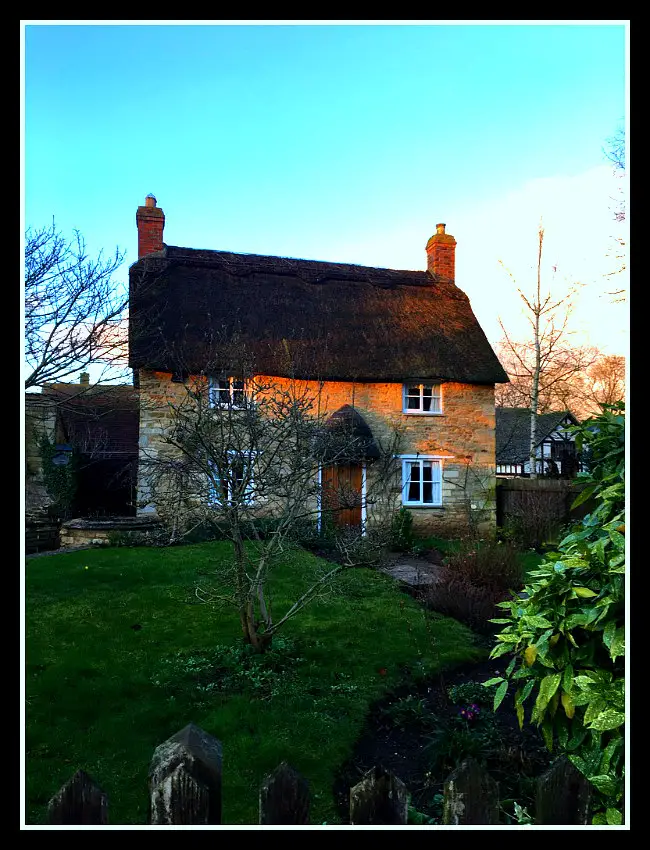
441 253
151 221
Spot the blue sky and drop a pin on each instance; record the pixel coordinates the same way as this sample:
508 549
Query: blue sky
339 142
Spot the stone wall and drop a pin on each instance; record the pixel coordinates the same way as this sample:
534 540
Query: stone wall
40 419
463 434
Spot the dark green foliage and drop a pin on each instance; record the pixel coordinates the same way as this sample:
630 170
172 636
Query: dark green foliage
468 693
407 710
401 536
60 481
568 636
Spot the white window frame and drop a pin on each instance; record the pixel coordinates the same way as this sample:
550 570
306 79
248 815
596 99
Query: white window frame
215 389
216 496
437 462
419 411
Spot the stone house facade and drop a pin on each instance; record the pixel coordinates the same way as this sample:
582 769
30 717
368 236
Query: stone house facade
390 351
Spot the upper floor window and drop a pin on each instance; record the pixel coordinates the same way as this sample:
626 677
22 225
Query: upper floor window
422 398
226 392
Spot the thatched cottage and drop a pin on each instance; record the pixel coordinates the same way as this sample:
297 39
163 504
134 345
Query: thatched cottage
382 349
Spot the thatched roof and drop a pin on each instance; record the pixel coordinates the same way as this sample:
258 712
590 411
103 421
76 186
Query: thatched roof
331 321
513 431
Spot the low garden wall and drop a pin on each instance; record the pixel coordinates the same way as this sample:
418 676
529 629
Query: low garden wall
102 530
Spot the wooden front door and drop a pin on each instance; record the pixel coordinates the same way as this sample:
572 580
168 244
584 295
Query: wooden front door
342 493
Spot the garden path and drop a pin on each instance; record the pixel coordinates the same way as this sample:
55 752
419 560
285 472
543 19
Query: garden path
412 570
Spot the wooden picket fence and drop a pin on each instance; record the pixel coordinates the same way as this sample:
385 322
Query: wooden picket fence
185 788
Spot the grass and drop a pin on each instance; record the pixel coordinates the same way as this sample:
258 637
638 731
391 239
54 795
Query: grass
101 695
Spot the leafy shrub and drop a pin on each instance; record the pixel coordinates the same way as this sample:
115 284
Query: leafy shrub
401 531
469 692
407 710
568 635
490 564
458 738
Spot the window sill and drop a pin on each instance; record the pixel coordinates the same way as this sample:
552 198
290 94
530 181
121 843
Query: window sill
421 413
420 507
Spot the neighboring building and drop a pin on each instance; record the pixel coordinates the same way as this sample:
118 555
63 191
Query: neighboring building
555 446
99 425
379 347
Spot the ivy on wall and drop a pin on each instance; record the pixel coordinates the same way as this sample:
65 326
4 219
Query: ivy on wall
60 481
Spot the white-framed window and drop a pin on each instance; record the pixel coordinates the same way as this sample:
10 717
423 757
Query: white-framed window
227 392
509 469
422 481
236 484
422 398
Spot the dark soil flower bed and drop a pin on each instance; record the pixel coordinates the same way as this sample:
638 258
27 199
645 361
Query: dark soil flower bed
420 735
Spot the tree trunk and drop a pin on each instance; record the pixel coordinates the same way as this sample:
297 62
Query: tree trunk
534 400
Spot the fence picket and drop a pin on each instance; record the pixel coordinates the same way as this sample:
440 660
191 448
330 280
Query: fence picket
380 798
563 795
79 801
284 797
185 779
470 796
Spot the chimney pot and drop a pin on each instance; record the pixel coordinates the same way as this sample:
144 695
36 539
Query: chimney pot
150 201
84 379
440 228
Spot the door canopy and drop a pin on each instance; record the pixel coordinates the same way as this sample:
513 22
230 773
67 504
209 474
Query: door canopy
348 438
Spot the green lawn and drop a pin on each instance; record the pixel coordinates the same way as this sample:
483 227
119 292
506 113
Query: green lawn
102 695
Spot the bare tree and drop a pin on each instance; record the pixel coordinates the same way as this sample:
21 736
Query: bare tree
604 383
245 457
545 361
580 379
616 155
74 312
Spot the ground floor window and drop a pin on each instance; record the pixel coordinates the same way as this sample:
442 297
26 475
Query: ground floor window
421 481
233 480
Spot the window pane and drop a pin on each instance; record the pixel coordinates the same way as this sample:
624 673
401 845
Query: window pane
223 392
414 391
426 403
413 493
238 392
436 406
426 391
427 486
413 403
